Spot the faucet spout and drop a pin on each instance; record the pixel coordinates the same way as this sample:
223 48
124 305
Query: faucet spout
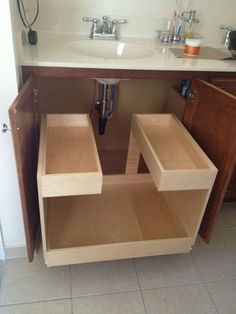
105 26
107 29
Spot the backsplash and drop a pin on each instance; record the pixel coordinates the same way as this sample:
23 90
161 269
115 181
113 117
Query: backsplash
144 17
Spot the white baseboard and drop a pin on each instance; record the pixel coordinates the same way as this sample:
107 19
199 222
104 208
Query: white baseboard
15 252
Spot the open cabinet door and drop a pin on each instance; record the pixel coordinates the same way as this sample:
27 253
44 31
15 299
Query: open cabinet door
24 124
229 85
210 117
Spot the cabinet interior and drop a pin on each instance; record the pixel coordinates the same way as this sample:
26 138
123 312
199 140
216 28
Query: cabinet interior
124 212
78 95
94 203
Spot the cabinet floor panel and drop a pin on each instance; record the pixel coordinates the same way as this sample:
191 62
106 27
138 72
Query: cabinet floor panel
122 213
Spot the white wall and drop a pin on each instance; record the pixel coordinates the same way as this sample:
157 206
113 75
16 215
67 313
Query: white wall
10 208
144 16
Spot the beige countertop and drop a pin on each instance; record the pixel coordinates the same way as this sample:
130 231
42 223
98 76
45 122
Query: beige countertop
57 50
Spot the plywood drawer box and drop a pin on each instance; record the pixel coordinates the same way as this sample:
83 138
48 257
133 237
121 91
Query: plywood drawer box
129 219
174 159
68 159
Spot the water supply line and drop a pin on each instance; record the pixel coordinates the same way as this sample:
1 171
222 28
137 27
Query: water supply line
105 105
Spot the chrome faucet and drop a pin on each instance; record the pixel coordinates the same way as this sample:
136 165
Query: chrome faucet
228 30
106 29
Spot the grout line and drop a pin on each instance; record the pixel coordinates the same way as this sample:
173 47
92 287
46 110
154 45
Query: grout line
219 280
104 293
75 297
211 298
71 302
205 284
33 302
139 286
174 286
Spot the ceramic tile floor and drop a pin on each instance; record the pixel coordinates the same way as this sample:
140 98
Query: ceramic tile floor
201 282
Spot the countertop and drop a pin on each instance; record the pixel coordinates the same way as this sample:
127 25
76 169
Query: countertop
53 50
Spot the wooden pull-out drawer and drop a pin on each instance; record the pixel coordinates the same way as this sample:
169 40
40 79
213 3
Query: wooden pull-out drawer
129 219
68 159
174 159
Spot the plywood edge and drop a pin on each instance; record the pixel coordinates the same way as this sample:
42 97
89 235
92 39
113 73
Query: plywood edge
133 156
148 153
71 184
42 147
67 119
151 119
174 180
144 143
42 154
127 179
115 251
94 145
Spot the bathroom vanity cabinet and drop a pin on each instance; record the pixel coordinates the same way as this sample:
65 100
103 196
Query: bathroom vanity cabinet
152 213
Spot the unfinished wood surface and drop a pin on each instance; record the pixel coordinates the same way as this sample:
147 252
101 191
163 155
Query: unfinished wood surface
189 206
133 156
69 150
108 252
122 213
129 219
68 159
174 159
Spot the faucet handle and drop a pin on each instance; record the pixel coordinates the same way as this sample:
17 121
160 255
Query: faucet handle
94 28
114 23
114 27
119 21
89 19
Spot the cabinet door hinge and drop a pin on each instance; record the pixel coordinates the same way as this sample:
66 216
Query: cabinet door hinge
35 95
192 95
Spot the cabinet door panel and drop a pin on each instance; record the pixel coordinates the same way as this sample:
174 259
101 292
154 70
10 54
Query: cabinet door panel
229 85
211 119
24 124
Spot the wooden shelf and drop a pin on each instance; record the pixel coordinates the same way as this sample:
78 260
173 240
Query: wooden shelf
174 159
129 213
68 159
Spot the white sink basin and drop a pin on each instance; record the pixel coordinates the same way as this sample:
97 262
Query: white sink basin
109 49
